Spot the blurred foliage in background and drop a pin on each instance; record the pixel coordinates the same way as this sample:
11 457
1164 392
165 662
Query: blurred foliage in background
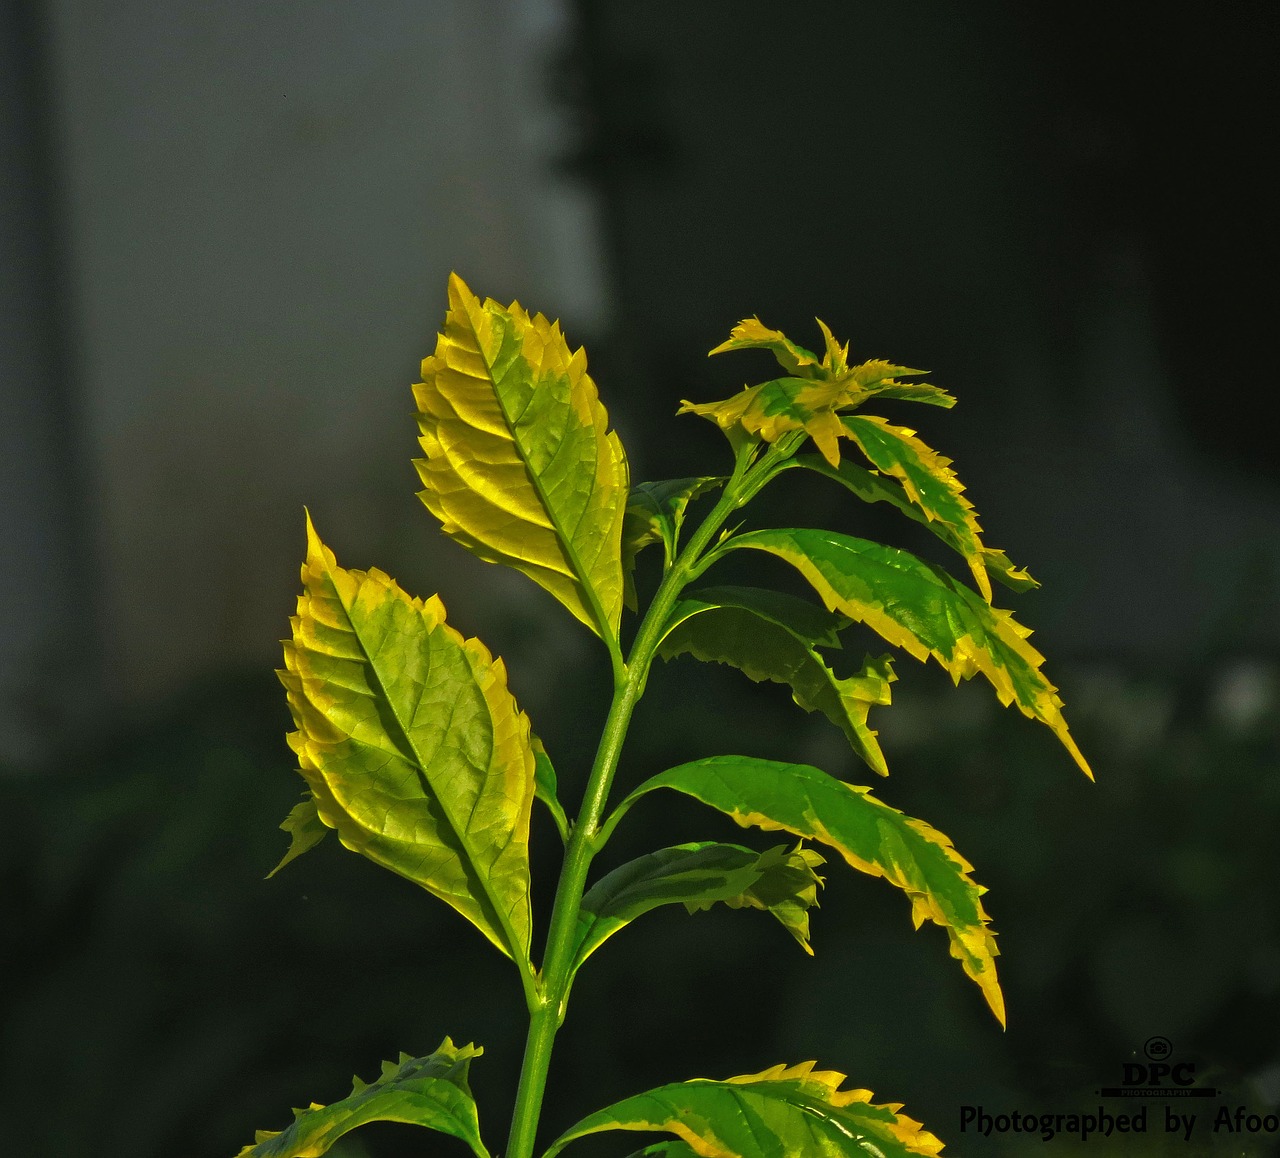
158 990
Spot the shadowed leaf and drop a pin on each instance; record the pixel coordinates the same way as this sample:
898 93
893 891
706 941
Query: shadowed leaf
697 876
771 636
655 514
544 788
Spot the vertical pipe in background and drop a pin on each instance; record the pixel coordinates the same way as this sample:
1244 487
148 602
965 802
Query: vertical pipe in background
47 652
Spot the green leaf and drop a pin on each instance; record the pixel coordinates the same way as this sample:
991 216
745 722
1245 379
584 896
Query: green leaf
411 744
771 636
655 513
787 889
783 1112
872 837
698 876
521 468
919 607
305 829
427 1091
927 480
544 787
874 488
675 1149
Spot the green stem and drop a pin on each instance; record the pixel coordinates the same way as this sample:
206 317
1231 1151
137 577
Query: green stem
547 1012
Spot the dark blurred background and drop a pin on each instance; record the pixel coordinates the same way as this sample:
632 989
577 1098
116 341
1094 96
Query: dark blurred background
226 234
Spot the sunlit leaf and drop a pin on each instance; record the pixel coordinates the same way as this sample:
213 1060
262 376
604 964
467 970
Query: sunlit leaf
751 334
305 829
810 398
920 608
544 787
927 480
871 836
771 636
521 467
698 876
875 488
655 513
783 1112
427 1091
411 744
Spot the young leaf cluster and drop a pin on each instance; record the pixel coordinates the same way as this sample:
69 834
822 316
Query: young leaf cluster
414 751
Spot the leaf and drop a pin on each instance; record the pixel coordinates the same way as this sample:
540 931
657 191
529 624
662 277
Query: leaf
771 636
812 394
521 468
676 1149
411 744
751 333
774 408
874 488
787 888
655 513
927 480
427 1091
919 607
872 837
305 829
783 1112
544 787
699 875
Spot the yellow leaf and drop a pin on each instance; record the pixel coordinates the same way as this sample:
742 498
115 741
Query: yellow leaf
521 467
412 746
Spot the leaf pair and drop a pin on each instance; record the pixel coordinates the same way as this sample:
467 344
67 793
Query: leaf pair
870 836
779 1113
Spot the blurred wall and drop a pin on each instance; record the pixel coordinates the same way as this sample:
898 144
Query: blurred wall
260 206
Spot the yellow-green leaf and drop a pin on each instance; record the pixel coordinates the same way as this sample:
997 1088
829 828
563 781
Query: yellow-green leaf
752 334
872 837
698 876
427 1091
920 608
783 1112
412 746
305 829
768 635
928 481
875 488
521 467
812 394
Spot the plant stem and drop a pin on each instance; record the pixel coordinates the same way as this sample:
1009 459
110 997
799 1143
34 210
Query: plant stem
547 1014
